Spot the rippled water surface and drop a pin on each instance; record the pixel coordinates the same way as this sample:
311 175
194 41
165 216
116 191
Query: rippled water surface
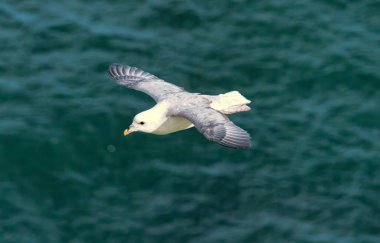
312 70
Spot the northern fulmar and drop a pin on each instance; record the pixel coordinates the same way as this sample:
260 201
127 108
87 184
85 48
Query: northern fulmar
177 109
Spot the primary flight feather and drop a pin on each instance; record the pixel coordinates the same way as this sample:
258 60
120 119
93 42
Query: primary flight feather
177 109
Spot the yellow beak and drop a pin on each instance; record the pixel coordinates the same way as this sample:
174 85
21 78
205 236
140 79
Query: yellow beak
126 132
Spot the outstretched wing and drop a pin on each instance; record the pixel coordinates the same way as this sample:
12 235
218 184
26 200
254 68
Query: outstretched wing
216 127
137 79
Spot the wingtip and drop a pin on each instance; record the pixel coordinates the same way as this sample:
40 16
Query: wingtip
236 137
116 70
127 75
112 69
112 65
240 146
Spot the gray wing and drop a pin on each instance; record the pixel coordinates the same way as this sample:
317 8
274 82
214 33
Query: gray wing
216 127
137 79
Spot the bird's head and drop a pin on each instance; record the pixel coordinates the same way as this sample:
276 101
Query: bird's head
146 121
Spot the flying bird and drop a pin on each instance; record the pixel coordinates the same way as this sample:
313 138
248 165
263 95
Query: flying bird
177 109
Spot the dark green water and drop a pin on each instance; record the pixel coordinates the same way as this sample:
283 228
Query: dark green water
312 69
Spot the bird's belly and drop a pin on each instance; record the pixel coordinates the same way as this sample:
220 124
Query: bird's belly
173 124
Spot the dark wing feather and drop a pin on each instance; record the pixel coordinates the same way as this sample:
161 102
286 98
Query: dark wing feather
217 127
140 80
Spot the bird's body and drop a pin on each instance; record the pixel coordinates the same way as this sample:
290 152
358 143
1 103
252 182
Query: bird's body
165 124
173 124
177 109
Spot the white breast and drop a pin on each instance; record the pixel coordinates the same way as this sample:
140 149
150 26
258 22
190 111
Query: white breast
173 124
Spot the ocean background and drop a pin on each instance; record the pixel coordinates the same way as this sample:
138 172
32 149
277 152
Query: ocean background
311 68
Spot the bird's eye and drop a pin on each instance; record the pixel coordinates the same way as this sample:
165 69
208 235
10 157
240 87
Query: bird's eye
142 123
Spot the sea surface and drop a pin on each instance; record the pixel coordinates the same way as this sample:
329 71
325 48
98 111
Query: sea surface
311 68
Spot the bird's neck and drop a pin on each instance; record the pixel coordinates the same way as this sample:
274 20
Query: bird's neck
160 110
156 115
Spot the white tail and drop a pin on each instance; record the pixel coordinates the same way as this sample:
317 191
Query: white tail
229 103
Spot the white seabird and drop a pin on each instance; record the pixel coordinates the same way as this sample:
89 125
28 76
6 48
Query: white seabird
177 109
